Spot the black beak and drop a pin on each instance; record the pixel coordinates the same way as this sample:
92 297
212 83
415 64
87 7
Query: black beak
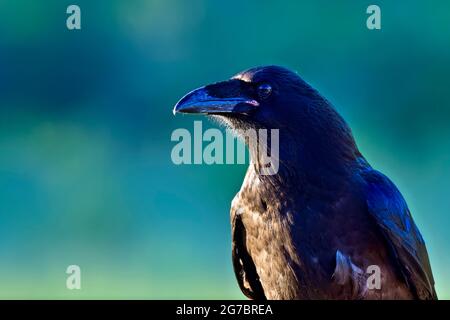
219 98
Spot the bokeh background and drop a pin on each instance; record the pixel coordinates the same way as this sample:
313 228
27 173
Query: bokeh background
85 122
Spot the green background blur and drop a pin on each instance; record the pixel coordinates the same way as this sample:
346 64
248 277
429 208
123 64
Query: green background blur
86 117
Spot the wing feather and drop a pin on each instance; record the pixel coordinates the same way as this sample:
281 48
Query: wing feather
244 267
390 211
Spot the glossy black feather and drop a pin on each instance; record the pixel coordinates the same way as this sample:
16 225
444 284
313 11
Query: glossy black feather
391 214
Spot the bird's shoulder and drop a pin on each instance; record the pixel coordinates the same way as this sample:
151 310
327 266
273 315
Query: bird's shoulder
386 203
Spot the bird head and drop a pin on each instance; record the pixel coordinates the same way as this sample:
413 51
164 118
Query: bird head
262 97
273 97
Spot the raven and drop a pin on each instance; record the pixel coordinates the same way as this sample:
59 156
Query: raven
326 223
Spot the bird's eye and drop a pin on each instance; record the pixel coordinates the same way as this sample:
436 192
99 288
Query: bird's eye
264 90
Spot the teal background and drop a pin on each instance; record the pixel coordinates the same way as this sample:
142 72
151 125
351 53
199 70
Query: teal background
86 117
